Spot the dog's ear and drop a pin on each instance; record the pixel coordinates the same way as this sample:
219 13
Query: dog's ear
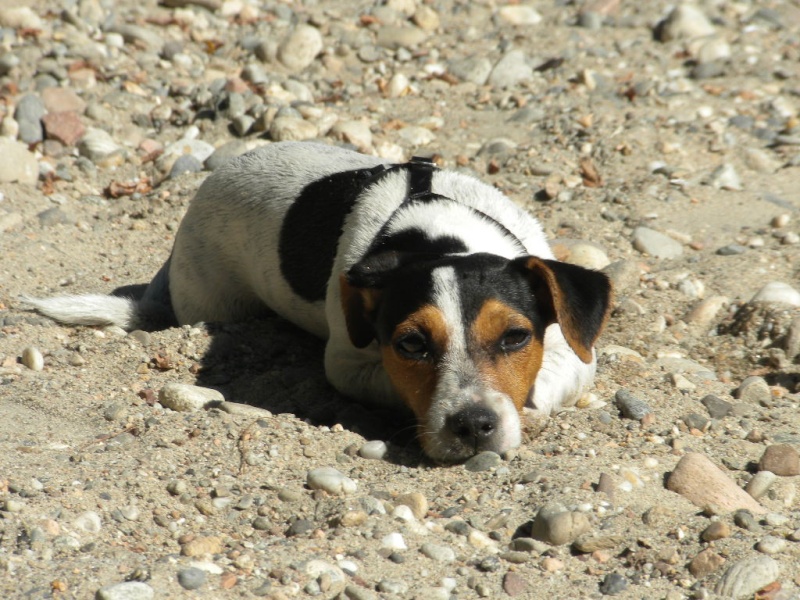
361 292
577 299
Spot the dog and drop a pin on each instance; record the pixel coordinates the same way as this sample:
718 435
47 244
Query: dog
432 289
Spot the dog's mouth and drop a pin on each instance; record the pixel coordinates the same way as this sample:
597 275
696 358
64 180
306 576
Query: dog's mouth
490 423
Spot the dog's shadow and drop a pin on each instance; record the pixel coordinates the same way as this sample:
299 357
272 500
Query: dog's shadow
270 363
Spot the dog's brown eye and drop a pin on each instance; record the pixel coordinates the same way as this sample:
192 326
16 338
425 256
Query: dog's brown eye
413 346
515 339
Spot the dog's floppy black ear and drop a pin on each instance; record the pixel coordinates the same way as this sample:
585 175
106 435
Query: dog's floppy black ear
577 299
361 292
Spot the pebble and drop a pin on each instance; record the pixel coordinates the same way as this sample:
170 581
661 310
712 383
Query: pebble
705 562
474 69
330 480
725 177
128 590
511 70
18 163
186 163
483 461
613 584
333 574
191 578
88 522
395 37
557 526
514 584
96 144
202 546
778 292
394 541
416 502
183 397
718 530
630 406
437 552
519 15
781 459
656 244
685 21
771 545
717 407
62 99
63 126
32 358
759 485
299 49
701 482
754 390
224 153
745 577
374 450
28 114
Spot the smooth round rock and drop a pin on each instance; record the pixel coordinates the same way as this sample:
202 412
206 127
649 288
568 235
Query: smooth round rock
330 480
613 584
18 164
185 164
129 590
191 578
630 406
374 450
779 292
759 485
88 522
557 526
519 14
32 358
483 461
416 502
754 390
299 49
182 397
656 244
510 70
438 552
685 21
781 459
745 577
771 545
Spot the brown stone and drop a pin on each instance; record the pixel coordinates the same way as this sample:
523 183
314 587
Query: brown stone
65 127
201 546
701 482
416 502
716 531
514 584
781 459
704 563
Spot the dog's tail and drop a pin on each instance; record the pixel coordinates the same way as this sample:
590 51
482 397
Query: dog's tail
92 309
150 310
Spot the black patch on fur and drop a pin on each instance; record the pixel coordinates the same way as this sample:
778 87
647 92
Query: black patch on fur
312 228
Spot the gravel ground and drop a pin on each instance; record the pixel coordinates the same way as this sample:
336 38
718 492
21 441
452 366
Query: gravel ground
661 144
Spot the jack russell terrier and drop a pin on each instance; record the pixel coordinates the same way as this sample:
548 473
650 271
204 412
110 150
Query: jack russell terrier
432 289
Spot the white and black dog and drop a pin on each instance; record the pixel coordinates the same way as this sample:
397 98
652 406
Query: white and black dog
432 289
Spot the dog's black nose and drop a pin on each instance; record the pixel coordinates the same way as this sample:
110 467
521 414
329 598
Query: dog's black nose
473 425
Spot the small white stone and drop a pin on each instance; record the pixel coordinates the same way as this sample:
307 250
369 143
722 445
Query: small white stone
374 449
88 522
330 480
394 541
182 397
437 552
519 14
32 358
404 513
777 291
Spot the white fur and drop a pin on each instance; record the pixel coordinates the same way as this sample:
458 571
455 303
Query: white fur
225 266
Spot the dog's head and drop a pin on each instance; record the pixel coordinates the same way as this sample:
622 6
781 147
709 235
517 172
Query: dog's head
461 336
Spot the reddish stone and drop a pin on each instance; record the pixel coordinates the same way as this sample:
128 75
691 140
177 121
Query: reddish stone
65 127
514 584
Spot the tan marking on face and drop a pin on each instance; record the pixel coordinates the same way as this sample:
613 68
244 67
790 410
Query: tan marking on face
512 373
415 380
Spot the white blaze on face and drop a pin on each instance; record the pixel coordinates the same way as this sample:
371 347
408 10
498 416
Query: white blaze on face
459 383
